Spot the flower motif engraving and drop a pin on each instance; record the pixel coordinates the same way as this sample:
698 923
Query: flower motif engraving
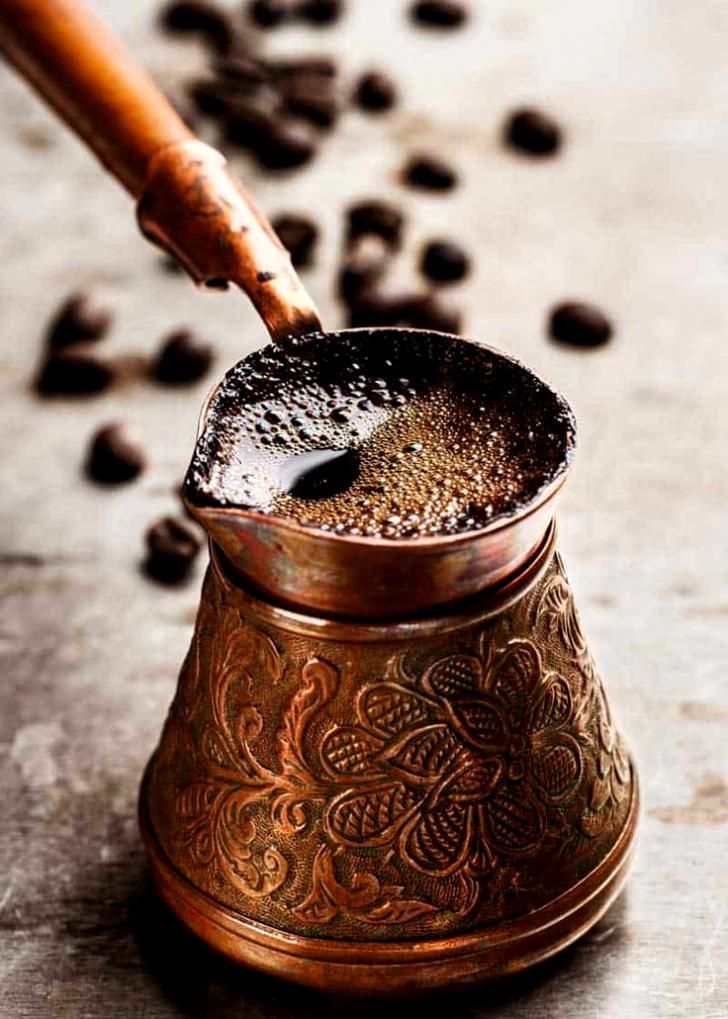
458 766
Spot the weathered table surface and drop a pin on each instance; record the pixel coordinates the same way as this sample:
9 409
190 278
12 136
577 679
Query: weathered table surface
635 216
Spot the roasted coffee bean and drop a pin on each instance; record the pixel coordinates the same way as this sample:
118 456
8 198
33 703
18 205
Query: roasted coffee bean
320 12
579 324
311 97
70 373
200 17
375 309
298 234
238 68
444 262
114 457
285 146
226 95
210 96
269 13
533 132
183 358
430 173
439 13
375 92
323 67
375 217
251 122
173 544
366 262
430 312
84 317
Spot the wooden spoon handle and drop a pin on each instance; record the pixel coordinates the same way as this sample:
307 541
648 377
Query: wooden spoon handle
189 202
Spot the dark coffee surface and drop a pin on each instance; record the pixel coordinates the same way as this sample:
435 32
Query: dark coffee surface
387 434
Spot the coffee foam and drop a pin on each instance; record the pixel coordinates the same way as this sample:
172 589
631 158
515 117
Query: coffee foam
447 435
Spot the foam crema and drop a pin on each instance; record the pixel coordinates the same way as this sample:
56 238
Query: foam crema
386 433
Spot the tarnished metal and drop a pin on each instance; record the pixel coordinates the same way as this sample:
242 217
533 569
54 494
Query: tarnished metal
382 806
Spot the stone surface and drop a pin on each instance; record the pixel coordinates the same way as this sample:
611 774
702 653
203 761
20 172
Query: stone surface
633 216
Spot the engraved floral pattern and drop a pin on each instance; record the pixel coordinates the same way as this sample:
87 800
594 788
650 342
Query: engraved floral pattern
458 766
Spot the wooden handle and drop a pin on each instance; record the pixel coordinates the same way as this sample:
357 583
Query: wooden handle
189 203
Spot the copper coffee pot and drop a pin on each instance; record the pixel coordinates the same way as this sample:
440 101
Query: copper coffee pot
389 764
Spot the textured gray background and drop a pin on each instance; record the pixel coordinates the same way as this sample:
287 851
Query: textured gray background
634 216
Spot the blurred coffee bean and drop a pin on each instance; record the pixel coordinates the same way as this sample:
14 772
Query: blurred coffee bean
286 145
251 121
311 97
70 373
320 12
366 262
429 173
375 217
298 234
579 325
444 262
203 18
372 308
533 132
210 96
114 456
183 358
173 544
324 67
82 318
439 13
430 312
375 92
240 68
269 13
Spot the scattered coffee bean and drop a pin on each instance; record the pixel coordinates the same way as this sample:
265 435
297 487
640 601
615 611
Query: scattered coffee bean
73 374
375 92
241 68
287 145
183 358
376 309
210 96
82 318
250 122
430 312
298 234
320 12
533 132
579 324
173 544
439 13
269 13
366 262
444 262
325 67
375 217
311 97
114 457
200 17
430 173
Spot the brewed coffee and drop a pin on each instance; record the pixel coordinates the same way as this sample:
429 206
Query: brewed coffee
385 434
